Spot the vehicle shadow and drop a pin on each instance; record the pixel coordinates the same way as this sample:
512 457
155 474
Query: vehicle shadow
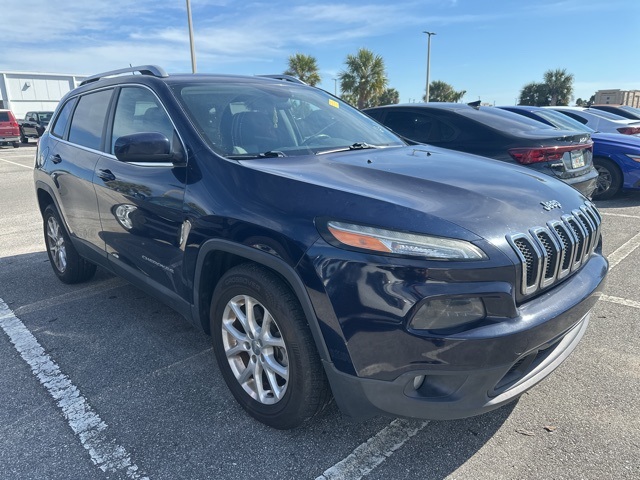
173 390
622 200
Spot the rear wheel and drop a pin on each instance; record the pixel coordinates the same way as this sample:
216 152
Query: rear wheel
16 144
67 264
609 179
264 348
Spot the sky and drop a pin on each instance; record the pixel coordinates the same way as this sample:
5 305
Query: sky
490 48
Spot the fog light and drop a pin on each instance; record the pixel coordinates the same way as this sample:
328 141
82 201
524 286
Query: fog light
448 313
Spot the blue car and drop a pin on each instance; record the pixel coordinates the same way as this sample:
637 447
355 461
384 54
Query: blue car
616 157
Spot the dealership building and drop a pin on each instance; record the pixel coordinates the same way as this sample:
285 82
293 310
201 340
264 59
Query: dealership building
618 97
22 92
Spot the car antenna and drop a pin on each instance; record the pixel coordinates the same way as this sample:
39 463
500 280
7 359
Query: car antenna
475 104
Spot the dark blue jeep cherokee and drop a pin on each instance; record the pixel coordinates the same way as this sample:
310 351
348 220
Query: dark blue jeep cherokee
322 254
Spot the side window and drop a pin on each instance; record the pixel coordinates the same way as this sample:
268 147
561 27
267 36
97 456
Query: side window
419 127
63 119
89 118
138 110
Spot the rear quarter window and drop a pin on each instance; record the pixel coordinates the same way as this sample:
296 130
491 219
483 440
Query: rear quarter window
87 124
63 119
4 116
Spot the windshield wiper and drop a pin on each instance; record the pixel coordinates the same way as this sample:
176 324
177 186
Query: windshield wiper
355 146
250 156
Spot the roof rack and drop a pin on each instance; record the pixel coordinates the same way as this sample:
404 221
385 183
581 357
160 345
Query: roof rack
286 78
142 69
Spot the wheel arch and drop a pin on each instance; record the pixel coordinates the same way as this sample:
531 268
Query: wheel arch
217 256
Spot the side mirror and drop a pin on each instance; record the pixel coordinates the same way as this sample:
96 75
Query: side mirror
145 147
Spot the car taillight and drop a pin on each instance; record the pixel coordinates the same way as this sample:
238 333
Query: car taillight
545 154
629 130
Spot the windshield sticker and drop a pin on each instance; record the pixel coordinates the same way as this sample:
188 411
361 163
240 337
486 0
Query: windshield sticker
333 103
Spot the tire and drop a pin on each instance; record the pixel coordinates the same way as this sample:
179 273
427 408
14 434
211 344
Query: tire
609 179
291 387
67 264
16 144
23 137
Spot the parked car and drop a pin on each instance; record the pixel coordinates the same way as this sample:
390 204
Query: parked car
9 129
33 125
623 110
494 133
601 121
615 157
320 252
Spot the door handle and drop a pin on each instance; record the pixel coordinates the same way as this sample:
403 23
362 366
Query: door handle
56 158
106 175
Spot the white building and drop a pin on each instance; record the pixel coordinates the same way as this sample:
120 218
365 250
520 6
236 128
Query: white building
22 92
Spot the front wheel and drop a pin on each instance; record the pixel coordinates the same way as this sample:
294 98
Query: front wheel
67 264
264 348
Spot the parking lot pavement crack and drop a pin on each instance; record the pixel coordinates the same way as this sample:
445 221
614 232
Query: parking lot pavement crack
82 293
90 429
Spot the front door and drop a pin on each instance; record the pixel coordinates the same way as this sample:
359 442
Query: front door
141 205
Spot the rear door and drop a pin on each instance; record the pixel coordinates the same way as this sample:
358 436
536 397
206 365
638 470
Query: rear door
76 145
141 205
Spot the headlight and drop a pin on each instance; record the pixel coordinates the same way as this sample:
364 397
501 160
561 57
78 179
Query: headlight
400 243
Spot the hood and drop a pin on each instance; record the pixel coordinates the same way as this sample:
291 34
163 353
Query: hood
486 197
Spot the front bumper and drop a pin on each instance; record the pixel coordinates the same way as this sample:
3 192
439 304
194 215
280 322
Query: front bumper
402 373
451 395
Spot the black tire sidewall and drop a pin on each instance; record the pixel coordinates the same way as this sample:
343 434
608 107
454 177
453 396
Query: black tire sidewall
616 178
259 284
78 269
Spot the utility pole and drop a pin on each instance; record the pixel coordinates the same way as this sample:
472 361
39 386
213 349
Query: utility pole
193 51
426 98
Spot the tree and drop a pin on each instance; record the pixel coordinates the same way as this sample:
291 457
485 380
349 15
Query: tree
440 91
304 67
388 97
535 94
365 78
559 86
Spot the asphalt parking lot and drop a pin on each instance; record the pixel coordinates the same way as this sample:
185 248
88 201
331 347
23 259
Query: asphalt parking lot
147 381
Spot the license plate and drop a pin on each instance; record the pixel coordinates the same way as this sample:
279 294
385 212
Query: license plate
577 159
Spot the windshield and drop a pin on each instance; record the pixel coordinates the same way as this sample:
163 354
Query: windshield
607 115
249 120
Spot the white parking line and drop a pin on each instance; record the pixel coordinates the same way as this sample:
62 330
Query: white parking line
623 215
624 251
30 167
83 420
620 301
374 451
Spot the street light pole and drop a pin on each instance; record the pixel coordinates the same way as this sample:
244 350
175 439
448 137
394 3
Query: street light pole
193 51
426 98
335 87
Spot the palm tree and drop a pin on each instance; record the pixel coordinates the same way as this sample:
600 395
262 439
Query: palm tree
535 94
559 86
440 91
389 96
365 78
304 67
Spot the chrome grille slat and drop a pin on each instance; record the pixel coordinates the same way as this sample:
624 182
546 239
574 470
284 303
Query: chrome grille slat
550 253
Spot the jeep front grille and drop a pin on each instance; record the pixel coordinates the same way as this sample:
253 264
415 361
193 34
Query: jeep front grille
552 252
